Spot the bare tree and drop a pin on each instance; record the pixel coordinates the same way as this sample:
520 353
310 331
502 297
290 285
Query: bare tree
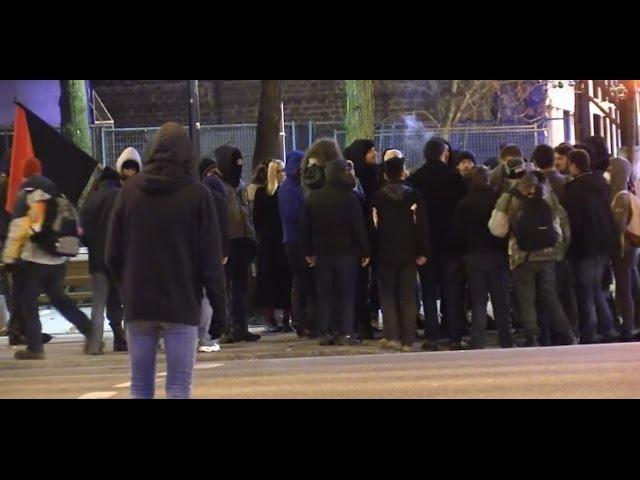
268 134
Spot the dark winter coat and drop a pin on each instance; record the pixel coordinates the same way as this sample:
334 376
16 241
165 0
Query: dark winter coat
593 230
402 231
217 190
95 216
333 222
368 175
442 188
470 223
273 281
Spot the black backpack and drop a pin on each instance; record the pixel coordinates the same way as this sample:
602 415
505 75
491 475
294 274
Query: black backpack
60 233
534 225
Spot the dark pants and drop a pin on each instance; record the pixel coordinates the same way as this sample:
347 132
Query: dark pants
50 280
16 320
335 291
442 274
241 253
302 290
488 274
362 312
396 290
535 284
623 269
592 305
567 296
105 294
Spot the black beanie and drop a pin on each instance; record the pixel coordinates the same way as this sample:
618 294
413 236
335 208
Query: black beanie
466 155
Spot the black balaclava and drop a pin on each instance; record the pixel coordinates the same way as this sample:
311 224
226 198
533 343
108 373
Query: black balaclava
230 164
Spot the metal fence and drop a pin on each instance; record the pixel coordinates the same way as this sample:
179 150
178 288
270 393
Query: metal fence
484 141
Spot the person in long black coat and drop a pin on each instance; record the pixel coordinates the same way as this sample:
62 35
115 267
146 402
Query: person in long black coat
273 281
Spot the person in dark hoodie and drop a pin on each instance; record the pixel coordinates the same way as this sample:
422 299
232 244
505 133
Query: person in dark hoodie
291 206
335 242
485 259
594 240
402 239
164 249
242 244
211 329
442 188
364 156
39 269
94 217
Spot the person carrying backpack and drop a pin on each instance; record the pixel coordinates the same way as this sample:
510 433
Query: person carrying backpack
43 233
533 224
626 212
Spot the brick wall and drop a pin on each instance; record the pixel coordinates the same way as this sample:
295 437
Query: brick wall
134 103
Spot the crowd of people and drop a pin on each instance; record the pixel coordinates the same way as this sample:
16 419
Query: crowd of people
322 242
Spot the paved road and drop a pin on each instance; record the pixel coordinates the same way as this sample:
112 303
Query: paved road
588 371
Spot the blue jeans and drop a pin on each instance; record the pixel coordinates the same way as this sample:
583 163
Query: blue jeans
592 306
335 293
180 343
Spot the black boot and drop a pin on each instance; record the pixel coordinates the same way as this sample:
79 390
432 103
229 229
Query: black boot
119 339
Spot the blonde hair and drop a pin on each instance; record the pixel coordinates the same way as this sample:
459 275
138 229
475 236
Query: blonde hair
272 176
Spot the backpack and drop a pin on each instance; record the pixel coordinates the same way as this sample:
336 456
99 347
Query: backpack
60 232
534 227
632 233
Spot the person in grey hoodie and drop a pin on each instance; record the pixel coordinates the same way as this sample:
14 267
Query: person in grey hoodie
624 263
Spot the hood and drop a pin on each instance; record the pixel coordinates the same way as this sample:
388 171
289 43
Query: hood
357 151
169 163
620 175
322 151
230 164
293 163
129 153
338 175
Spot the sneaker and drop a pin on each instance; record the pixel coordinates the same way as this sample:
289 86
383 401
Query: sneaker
407 348
209 348
27 354
430 346
325 340
120 346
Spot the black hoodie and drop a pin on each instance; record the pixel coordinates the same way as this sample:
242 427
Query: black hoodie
369 175
163 246
333 223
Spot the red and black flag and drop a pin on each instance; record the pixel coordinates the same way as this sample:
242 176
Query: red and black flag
38 148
